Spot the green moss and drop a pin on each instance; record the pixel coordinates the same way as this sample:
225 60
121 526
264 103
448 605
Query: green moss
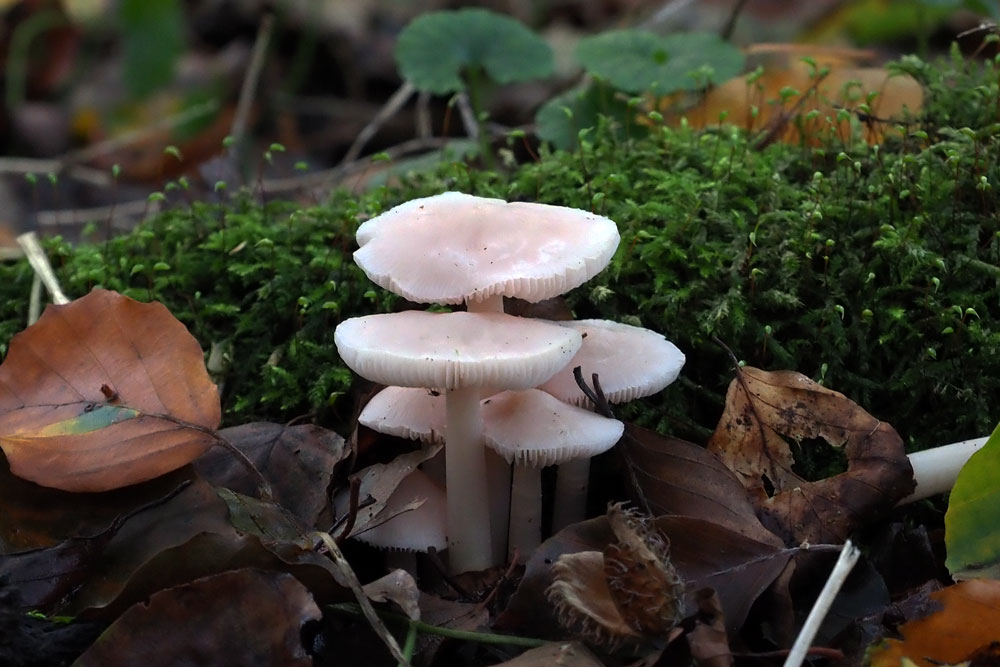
874 270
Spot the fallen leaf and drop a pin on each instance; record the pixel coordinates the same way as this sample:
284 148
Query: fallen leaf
705 554
245 617
571 654
297 461
677 477
966 623
708 640
104 392
378 482
763 406
972 523
398 587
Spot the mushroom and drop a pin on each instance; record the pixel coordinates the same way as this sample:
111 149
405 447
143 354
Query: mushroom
531 430
935 470
464 354
630 362
407 530
456 248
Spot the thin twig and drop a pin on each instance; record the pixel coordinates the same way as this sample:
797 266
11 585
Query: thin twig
249 88
848 557
352 510
468 116
424 129
442 570
727 30
390 109
81 216
508 573
466 635
364 603
40 263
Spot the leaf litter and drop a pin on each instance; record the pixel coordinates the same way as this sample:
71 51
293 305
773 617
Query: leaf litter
692 566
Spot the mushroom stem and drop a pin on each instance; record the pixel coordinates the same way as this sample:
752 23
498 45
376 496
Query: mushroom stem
525 532
935 470
469 543
491 304
572 482
499 480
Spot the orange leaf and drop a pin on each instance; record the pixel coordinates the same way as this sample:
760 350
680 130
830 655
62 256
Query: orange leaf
104 392
969 621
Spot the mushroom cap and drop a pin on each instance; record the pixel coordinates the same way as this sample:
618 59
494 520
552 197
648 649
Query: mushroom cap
406 412
416 530
455 350
537 429
455 247
631 362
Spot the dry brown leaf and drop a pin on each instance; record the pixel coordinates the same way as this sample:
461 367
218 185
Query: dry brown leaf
102 393
967 623
399 587
570 654
708 640
763 406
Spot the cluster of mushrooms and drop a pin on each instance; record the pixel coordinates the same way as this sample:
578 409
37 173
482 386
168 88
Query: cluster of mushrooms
496 389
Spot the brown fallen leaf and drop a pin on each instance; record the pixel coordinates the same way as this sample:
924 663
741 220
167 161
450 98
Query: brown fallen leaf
761 408
708 640
104 392
298 462
672 476
966 625
244 617
399 588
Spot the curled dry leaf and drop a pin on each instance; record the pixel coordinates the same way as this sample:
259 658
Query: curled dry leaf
555 655
399 587
102 393
708 640
763 406
244 617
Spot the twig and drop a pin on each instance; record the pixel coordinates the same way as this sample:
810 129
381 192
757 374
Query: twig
35 300
848 557
469 120
451 633
82 216
249 88
40 263
352 510
596 395
424 129
364 604
727 29
435 560
508 573
390 109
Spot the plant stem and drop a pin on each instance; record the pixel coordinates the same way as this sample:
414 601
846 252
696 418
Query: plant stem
935 470
465 635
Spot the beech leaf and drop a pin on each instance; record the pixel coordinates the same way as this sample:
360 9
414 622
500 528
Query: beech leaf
761 408
104 392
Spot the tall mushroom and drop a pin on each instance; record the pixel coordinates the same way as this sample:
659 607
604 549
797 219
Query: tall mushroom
630 362
464 354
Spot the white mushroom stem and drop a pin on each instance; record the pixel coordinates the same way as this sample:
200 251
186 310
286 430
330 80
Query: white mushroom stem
935 470
469 540
525 532
572 482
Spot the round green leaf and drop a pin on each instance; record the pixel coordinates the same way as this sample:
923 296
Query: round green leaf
972 523
637 61
434 49
560 120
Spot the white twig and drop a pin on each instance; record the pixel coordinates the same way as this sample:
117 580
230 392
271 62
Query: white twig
390 109
468 115
35 300
848 557
40 263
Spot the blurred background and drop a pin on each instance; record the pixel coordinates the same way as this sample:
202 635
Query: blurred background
108 101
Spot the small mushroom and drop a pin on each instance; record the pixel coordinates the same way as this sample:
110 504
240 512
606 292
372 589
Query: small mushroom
630 362
464 354
531 430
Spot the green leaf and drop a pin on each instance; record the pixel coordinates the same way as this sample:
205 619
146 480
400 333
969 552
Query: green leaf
152 35
560 120
435 48
972 523
637 61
